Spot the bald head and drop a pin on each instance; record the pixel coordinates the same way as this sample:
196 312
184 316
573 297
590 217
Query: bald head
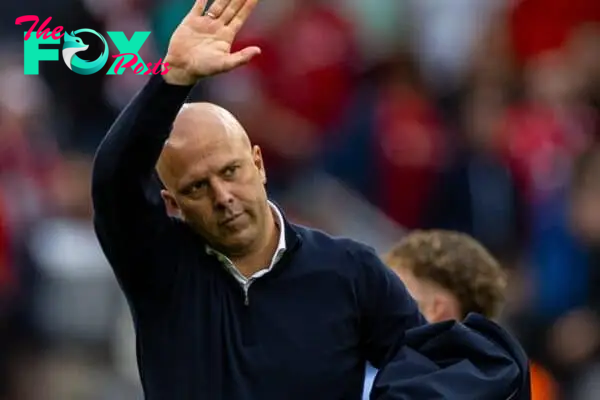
205 121
199 128
215 179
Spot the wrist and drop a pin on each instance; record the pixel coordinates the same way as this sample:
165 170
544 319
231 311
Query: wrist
177 76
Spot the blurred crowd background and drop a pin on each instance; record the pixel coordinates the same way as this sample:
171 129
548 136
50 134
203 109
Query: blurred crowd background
375 117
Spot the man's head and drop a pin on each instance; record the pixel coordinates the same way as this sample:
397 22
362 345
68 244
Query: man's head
449 274
585 197
214 179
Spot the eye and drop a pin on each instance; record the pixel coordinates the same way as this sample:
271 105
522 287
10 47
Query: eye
194 188
230 171
199 185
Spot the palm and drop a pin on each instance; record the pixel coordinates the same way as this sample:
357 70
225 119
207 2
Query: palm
201 45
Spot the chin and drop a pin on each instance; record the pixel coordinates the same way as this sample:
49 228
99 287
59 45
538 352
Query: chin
240 239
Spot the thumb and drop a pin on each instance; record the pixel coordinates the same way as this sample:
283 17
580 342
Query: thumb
241 57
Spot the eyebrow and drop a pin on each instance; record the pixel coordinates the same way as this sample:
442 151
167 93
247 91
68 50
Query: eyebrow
230 164
188 183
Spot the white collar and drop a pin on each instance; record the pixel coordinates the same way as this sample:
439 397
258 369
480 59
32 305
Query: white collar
281 248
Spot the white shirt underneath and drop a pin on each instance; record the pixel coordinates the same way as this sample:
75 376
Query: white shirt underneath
281 247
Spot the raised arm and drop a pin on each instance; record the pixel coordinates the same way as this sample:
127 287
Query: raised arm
129 217
130 220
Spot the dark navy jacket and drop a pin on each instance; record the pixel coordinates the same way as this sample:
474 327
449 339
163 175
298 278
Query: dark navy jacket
308 327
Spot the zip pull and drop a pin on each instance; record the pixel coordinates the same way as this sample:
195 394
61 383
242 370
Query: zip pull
246 297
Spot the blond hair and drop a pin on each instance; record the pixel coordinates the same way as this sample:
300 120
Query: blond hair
456 262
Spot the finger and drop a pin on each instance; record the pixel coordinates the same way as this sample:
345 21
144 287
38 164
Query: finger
241 57
241 17
217 7
198 7
231 10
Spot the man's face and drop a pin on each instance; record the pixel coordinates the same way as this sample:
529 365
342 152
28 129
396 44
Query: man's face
217 187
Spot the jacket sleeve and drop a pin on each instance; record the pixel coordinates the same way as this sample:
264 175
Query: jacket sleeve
387 309
472 360
129 217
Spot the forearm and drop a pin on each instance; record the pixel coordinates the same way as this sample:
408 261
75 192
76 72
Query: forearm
128 153
129 217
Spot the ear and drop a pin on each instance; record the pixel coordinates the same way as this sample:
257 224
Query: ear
444 307
173 209
258 163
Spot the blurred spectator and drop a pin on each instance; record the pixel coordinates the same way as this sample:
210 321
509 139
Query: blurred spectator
549 128
69 261
542 137
7 286
561 325
539 26
76 298
392 145
299 86
381 26
575 338
7 275
477 193
27 153
446 34
583 53
28 148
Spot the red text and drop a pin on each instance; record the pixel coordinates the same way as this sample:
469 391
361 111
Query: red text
42 29
158 66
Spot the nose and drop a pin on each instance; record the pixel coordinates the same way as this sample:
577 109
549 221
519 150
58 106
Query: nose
222 196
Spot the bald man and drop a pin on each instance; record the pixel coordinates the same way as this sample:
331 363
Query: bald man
223 149
232 301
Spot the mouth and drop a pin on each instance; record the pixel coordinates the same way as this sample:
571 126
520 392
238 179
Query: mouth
230 220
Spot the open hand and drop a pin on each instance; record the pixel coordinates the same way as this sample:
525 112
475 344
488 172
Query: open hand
201 44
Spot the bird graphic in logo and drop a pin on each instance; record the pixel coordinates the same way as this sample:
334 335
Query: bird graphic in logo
73 44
